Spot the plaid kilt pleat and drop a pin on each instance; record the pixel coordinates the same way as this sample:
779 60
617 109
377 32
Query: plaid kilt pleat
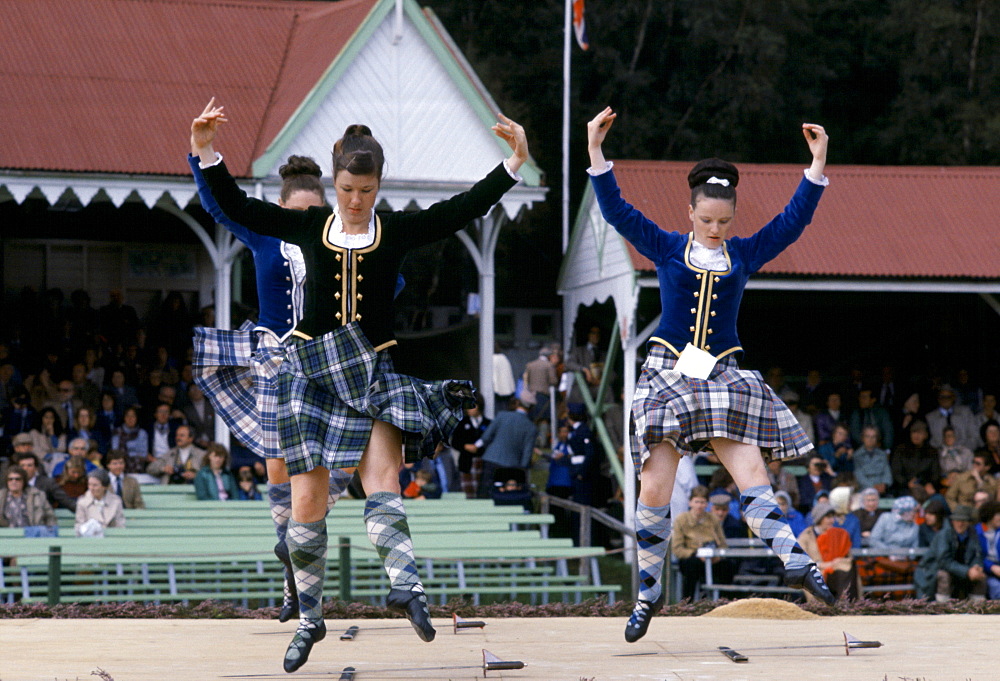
237 371
330 390
688 412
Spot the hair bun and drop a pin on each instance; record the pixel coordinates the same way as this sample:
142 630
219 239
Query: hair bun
713 167
299 165
358 129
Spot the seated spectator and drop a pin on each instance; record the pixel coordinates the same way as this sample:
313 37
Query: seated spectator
423 486
989 432
65 403
107 421
829 417
871 413
952 567
840 499
55 495
817 478
988 531
161 432
74 477
122 484
953 457
898 529
125 395
783 481
838 452
83 426
915 467
830 548
48 436
948 413
871 462
84 389
214 480
796 521
21 417
965 485
22 505
98 510
935 514
182 463
77 448
246 485
693 530
869 512
200 415
133 439
731 527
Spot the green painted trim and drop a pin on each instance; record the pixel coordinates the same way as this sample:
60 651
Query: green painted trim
581 215
307 109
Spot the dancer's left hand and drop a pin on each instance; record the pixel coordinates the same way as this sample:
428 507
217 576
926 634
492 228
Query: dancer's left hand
513 134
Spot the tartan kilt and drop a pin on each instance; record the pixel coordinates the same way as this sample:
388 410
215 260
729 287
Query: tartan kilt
237 370
330 390
688 412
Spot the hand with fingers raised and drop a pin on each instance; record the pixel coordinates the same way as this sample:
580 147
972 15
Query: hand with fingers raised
597 130
203 130
513 134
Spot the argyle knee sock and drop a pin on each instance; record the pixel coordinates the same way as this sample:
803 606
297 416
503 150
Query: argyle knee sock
652 531
307 546
339 480
389 532
765 519
279 498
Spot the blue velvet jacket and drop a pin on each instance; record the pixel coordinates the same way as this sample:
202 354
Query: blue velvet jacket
699 306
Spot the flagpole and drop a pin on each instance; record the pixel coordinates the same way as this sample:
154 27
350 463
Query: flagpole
567 31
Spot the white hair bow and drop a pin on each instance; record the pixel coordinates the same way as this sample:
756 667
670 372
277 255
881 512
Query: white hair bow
717 180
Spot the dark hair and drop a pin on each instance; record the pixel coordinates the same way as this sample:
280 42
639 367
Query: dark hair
215 448
699 491
988 510
703 171
24 474
983 428
301 173
115 454
57 428
358 153
28 455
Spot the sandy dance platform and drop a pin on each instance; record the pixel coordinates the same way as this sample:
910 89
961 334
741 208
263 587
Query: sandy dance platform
926 648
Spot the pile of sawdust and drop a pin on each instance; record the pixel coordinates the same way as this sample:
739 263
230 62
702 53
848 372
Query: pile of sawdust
762 609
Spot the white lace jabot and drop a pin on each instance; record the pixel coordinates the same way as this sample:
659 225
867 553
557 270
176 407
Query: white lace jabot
338 237
711 259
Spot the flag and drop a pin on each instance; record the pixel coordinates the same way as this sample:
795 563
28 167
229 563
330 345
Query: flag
579 26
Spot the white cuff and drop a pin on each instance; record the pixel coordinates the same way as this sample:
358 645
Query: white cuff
822 182
479 444
514 176
594 172
218 160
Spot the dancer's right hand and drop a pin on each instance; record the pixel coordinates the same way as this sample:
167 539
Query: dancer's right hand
597 129
204 128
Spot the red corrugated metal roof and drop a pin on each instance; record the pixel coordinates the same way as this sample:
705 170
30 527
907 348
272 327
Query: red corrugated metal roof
873 221
112 85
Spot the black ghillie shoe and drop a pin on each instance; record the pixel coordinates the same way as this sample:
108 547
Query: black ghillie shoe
302 643
462 391
810 579
638 622
290 601
414 604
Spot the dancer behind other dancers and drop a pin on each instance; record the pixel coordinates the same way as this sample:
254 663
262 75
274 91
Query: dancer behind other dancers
338 373
702 276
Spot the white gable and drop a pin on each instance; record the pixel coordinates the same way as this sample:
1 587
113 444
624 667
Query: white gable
404 94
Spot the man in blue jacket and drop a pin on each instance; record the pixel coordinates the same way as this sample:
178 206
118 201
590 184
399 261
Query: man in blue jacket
510 442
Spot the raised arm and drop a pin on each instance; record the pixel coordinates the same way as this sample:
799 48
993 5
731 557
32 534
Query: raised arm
212 208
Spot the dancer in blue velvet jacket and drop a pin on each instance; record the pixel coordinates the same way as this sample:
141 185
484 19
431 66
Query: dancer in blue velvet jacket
692 395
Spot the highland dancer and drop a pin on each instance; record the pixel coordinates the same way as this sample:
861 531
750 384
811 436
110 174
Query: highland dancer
341 403
692 395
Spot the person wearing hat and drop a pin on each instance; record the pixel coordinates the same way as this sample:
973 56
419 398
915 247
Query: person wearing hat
721 505
958 416
830 547
98 505
796 521
952 567
694 529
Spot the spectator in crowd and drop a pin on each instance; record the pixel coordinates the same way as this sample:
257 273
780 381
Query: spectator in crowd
161 432
200 415
840 499
106 420
782 480
871 462
65 403
791 399
988 531
22 505
182 463
987 413
888 393
588 359
9 386
246 485
133 439
84 389
967 393
871 413
118 322
539 377
796 521
125 395
83 426
952 567
732 528
40 388
95 371
560 480
509 443
97 508
775 379
37 479
852 388
48 435
813 393
827 418
953 457
948 413
817 477
122 484
964 486
869 512
74 477
20 417
839 452
989 433
78 447
915 465
935 515
214 480
898 529
830 547
907 416
693 530
423 486
470 462
503 378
